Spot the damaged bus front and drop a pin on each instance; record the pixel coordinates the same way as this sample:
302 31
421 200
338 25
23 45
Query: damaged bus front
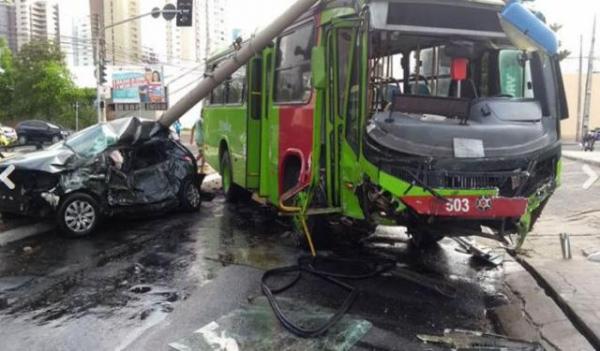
463 117
441 116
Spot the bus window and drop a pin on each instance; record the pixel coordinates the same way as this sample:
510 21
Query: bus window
344 43
515 74
236 87
255 89
218 95
353 102
293 70
430 72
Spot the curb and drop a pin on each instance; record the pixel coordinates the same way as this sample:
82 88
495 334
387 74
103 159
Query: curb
579 324
24 232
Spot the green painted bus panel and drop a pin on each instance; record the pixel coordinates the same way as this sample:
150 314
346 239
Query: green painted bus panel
226 124
272 130
273 157
265 134
253 150
253 154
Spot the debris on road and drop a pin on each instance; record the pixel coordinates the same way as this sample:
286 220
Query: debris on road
487 254
254 328
140 289
473 340
592 254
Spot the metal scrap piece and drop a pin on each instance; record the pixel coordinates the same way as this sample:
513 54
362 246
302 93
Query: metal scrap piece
474 340
494 257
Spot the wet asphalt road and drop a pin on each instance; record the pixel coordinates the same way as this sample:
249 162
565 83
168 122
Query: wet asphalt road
106 291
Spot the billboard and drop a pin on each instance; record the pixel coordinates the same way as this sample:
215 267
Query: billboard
138 86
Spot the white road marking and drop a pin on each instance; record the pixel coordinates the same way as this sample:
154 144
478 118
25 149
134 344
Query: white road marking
4 177
593 176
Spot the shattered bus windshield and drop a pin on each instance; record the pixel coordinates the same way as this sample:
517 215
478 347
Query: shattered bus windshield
428 90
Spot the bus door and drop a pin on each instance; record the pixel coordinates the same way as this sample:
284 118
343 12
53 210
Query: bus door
342 91
255 116
268 133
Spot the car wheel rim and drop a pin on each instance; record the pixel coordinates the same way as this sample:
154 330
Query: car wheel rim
193 196
80 216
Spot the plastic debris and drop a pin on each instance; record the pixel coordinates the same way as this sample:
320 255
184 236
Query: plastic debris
473 340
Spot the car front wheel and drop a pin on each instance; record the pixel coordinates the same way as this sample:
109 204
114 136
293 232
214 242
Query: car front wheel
78 215
55 139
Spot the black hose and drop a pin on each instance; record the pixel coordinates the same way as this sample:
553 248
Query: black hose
309 265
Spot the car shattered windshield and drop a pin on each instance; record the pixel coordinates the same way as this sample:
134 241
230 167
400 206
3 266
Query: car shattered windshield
92 141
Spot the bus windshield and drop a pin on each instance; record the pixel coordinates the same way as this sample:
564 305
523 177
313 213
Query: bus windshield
422 67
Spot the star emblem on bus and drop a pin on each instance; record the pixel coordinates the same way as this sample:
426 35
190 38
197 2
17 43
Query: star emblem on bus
484 204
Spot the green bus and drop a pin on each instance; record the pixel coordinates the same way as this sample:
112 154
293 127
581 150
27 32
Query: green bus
416 113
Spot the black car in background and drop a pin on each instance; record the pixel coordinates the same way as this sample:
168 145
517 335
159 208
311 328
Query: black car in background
34 131
127 166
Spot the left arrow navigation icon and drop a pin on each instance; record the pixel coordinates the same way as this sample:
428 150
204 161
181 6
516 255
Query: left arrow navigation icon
4 177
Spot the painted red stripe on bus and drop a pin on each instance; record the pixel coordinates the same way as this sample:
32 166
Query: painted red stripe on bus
473 207
295 138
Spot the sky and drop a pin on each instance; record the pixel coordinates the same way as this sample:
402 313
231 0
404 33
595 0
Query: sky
576 16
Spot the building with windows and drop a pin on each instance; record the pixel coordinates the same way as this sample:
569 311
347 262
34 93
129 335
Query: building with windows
36 19
8 23
180 44
213 30
123 43
82 53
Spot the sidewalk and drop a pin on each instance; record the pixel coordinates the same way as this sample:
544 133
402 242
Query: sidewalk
592 158
574 284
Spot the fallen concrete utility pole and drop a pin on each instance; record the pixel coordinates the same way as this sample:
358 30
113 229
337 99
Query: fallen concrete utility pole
240 58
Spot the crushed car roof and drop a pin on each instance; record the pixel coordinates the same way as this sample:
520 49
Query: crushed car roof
124 131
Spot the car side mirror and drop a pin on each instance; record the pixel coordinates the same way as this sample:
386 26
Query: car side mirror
319 73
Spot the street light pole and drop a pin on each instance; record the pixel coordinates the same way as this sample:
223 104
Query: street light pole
76 116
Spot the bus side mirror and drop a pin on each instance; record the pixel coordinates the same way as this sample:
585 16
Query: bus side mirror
319 73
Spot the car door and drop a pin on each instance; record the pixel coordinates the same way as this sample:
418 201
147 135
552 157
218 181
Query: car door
38 130
150 174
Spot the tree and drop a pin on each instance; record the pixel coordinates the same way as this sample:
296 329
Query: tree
43 87
562 53
6 81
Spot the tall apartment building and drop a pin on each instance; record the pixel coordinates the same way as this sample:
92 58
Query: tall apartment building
78 46
123 43
8 23
37 19
180 44
213 30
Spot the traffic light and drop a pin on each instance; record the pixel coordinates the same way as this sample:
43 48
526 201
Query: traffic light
102 73
185 13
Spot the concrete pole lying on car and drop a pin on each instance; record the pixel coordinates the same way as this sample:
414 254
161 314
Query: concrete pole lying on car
240 58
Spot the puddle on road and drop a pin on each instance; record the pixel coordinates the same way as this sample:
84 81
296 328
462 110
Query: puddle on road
256 328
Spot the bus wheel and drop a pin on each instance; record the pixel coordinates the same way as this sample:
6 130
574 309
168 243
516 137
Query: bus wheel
229 188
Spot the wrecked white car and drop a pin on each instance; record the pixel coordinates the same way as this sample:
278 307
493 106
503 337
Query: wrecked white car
127 166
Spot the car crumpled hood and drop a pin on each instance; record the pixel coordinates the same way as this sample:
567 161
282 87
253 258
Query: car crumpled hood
51 161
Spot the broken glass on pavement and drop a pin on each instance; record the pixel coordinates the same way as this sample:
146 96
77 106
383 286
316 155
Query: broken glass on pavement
256 328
